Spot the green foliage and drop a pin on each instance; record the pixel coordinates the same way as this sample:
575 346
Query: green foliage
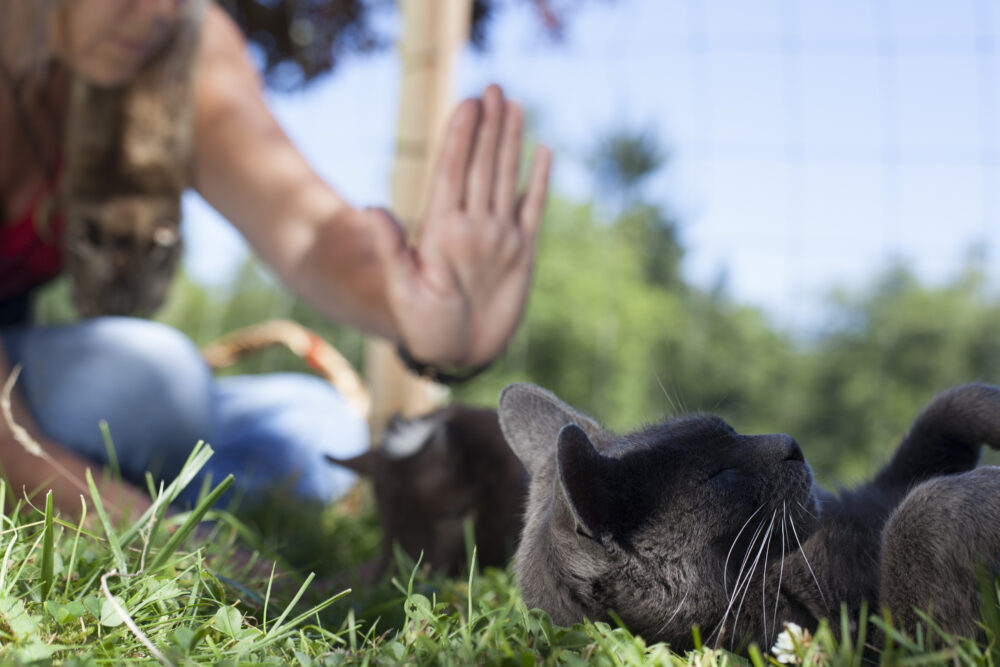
613 329
622 160
886 352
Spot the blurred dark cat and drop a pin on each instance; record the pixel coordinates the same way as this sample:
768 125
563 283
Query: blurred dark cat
688 522
129 159
435 472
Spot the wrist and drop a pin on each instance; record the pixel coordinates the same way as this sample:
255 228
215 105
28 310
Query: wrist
443 375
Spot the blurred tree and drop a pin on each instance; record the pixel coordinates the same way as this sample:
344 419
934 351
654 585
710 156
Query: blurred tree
302 39
650 229
205 314
627 349
885 352
624 159
613 327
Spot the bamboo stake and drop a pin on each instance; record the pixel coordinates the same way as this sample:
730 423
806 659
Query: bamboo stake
434 33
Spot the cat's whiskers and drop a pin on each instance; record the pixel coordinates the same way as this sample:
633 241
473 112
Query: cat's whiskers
666 394
763 586
740 582
765 543
805 509
743 578
666 624
804 558
725 568
781 573
785 516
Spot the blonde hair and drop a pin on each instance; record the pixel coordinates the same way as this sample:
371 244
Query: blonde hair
24 44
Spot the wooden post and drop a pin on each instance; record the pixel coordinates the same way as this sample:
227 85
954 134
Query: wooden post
434 33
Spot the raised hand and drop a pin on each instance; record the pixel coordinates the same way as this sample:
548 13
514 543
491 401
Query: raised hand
457 295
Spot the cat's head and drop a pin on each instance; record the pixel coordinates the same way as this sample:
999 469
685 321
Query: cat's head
434 473
121 253
655 525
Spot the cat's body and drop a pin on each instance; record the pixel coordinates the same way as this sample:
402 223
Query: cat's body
129 157
689 523
435 472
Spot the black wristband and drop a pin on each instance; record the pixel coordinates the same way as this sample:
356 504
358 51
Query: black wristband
434 373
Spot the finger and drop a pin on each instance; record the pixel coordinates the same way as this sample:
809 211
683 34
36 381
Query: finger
448 186
529 213
509 163
482 168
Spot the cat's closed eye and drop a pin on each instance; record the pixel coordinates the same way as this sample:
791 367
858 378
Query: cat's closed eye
725 475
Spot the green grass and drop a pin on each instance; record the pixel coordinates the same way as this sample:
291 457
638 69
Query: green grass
158 590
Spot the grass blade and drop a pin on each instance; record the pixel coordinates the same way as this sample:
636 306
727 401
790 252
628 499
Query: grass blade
291 605
48 549
199 456
990 610
109 448
76 542
192 521
116 548
292 624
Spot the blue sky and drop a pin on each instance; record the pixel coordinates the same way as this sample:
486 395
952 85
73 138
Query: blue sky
811 141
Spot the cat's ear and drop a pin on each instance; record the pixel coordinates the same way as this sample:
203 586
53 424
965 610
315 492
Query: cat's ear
363 464
531 419
586 478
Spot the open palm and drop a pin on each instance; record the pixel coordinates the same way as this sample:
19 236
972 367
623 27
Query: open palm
458 294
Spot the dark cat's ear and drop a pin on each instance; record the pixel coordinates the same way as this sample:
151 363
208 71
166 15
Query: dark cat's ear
587 478
363 464
531 419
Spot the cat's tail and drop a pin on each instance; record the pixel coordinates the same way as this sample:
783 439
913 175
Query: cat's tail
947 436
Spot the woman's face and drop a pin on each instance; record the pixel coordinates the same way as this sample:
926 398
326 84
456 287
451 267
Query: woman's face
108 41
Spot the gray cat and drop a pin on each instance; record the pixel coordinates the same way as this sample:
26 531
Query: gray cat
688 522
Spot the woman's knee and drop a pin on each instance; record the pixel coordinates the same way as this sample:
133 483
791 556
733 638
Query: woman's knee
280 427
145 379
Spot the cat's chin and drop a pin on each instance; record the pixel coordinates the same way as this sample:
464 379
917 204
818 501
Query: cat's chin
793 505
800 506
796 478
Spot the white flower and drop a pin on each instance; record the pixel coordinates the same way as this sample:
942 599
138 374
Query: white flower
790 644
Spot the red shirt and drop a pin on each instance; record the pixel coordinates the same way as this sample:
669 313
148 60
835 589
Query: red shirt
31 247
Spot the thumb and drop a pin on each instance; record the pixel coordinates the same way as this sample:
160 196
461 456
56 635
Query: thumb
396 258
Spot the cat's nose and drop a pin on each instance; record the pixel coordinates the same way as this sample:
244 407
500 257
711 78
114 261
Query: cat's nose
790 449
776 447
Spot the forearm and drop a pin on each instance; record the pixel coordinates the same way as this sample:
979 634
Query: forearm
336 270
247 168
59 469
64 473
453 301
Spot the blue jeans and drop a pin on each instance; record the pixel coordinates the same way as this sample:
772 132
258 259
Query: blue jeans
149 382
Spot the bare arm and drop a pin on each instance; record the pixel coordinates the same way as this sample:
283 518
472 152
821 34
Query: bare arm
249 170
454 297
29 474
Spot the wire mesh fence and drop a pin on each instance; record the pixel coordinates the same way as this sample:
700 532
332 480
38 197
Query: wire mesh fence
811 146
